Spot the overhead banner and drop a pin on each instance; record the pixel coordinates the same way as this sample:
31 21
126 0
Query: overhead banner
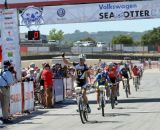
10 39
91 12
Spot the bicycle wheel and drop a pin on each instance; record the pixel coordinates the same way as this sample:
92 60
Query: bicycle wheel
136 86
81 113
85 114
112 101
126 90
102 106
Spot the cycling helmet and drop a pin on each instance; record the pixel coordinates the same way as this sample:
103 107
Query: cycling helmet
135 66
82 57
110 66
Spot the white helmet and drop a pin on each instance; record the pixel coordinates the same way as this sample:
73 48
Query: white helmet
82 57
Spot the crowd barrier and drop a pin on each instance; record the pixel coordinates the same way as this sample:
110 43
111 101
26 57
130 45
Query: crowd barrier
58 87
21 98
68 87
28 92
16 98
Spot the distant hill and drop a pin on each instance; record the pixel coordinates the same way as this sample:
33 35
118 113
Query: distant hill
101 36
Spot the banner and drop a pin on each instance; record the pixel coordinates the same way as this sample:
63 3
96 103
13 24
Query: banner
98 12
28 96
68 86
58 90
10 39
15 98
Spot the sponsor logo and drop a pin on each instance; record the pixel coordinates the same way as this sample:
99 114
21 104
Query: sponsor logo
8 13
7 23
8 17
9 39
32 16
8 27
61 12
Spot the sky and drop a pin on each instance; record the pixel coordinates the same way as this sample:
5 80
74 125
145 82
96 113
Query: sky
125 25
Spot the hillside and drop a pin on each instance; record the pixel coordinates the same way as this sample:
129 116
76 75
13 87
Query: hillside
102 36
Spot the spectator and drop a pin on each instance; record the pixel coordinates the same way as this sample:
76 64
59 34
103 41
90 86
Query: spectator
6 80
47 76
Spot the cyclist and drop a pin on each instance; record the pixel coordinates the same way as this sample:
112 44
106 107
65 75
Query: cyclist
82 75
112 72
124 73
101 79
136 72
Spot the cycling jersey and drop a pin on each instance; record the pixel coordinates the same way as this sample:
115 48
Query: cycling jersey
102 80
135 71
80 69
124 72
112 72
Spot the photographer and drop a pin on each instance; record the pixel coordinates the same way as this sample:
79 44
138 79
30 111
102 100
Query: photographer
6 80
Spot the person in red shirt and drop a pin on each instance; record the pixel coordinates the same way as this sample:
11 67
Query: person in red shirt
113 77
47 76
136 73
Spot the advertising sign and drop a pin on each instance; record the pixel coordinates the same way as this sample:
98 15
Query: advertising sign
28 96
10 39
98 12
15 98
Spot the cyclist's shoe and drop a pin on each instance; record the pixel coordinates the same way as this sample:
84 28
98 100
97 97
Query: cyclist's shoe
99 108
116 102
88 109
77 110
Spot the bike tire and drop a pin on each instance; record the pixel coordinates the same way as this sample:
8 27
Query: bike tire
126 90
136 87
112 101
102 106
81 112
85 114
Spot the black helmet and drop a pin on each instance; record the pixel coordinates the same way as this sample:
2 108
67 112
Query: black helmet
7 63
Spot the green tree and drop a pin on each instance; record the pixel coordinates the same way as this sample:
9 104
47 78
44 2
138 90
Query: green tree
57 35
151 37
122 39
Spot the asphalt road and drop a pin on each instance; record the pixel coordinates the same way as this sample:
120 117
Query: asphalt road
141 111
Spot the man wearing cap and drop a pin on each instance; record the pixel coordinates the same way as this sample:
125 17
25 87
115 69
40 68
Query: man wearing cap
6 80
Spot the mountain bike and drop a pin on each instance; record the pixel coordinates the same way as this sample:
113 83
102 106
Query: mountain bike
82 107
126 86
102 101
112 95
136 82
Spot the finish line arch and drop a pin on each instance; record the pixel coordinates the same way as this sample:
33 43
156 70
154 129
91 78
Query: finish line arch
78 13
